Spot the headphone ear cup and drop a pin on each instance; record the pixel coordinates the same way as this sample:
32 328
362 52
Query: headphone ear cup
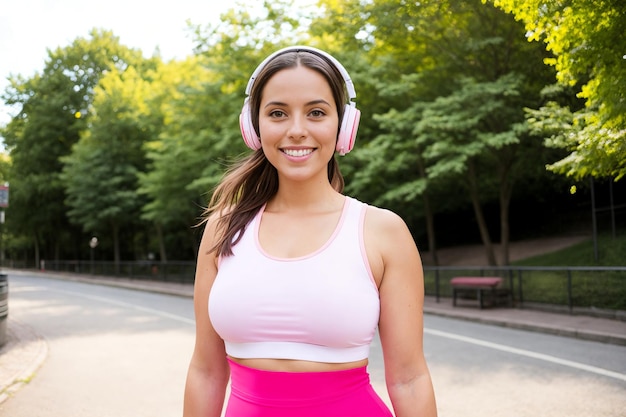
252 140
349 127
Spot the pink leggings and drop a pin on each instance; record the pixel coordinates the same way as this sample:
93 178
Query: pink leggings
259 393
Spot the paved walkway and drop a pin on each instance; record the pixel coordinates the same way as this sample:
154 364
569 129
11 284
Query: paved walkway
25 351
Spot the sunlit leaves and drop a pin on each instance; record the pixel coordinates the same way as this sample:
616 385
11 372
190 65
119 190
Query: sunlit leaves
587 39
46 128
100 175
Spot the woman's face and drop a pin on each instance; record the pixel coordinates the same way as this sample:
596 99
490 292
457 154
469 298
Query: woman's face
298 123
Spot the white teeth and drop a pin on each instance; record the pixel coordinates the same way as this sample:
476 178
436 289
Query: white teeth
297 152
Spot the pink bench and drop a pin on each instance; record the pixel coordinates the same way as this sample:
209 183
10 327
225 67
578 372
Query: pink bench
480 287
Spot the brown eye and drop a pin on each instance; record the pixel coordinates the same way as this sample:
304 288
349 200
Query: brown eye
277 114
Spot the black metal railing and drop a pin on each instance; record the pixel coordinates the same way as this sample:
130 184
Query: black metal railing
176 271
601 290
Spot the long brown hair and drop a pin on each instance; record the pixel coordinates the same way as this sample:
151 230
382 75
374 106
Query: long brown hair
253 181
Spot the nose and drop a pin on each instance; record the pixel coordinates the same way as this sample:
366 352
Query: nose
297 127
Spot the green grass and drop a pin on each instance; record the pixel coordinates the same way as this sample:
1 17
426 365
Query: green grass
611 252
598 289
604 290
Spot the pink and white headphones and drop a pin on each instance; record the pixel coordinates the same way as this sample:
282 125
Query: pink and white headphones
351 115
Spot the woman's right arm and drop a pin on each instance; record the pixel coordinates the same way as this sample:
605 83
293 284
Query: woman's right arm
208 371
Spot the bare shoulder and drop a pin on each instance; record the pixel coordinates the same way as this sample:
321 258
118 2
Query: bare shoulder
388 242
384 223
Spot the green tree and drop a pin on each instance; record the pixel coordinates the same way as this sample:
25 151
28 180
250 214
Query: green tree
469 136
588 43
53 110
201 132
101 174
458 75
195 111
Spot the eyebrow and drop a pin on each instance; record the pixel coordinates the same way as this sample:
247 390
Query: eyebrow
310 103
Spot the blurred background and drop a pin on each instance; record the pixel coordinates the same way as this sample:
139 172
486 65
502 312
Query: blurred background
484 123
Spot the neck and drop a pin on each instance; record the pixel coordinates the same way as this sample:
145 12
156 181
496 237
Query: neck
296 196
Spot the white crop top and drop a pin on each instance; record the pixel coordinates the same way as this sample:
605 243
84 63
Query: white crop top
322 307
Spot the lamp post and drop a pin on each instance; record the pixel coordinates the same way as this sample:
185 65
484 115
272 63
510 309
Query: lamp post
92 244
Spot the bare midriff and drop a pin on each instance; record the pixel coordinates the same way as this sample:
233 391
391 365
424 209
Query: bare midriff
291 365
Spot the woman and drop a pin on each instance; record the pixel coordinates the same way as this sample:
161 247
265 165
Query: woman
293 277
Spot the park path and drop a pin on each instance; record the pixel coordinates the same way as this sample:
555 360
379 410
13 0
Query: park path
474 255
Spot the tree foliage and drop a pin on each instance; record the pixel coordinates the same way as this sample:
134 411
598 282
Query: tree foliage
588 43
200 111
128 148
54 109
458 75
100 175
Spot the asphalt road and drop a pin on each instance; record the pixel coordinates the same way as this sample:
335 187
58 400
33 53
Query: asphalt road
116 352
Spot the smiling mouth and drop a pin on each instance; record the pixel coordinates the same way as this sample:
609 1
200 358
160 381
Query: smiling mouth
297 152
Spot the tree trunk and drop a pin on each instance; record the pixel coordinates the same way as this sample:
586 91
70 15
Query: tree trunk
505 199
195 243
480 218
430 229
162 250
37 254
57 250
429 215
116 247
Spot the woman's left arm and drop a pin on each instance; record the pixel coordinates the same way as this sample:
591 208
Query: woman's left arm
397 268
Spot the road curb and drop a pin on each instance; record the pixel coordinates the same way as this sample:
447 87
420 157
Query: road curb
546 328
